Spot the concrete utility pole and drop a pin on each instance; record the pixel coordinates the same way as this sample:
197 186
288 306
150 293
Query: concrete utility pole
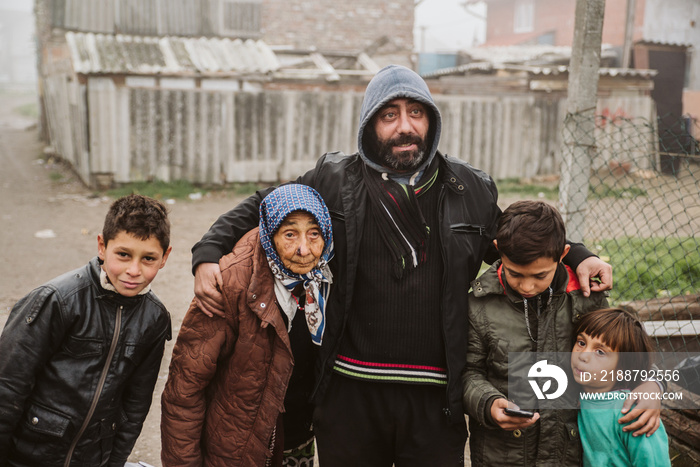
629 33
579 127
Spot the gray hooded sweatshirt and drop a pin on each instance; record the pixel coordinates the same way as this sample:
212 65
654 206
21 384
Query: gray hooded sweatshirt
393 82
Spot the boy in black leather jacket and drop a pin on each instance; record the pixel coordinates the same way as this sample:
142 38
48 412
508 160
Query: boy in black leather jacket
80 355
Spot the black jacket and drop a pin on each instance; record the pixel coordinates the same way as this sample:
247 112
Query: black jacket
468 216
78 365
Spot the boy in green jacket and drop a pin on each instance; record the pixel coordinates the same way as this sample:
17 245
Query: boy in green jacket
528 301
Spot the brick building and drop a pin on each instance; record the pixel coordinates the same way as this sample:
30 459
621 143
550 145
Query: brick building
383 29
551 22
659 28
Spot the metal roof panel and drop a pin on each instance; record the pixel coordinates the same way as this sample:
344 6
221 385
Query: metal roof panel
104 53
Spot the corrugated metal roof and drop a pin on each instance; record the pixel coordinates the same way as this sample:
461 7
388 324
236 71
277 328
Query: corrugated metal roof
539 54
553 70
518 53
533 59
664 43
492 64
628 72
122 54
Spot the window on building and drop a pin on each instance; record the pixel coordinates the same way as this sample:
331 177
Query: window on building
524 19
241 18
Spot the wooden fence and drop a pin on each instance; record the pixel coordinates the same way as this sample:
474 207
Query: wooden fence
215 136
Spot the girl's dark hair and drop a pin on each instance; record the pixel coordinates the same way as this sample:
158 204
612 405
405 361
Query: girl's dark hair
140 216
529 230
623 333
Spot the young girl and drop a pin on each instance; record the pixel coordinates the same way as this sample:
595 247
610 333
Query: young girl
608 341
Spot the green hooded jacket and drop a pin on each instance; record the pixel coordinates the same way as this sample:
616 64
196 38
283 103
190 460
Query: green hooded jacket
497 326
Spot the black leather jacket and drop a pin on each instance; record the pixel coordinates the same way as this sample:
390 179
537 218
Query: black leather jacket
468 219
78 365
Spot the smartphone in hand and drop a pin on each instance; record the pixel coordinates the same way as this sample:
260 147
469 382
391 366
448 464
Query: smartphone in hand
518 413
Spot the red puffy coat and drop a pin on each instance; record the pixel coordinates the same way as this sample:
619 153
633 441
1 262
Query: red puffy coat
228 377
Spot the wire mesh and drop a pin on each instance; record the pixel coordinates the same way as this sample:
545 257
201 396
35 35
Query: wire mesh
640 210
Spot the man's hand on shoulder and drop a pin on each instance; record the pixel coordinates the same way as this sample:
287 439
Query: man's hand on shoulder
207 289
646 413
593 268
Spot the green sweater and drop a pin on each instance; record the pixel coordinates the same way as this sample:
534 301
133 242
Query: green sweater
604 442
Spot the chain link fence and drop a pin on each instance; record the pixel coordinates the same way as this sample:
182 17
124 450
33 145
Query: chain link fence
640 210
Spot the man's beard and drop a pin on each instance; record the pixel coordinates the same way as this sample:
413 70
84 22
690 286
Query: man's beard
402 161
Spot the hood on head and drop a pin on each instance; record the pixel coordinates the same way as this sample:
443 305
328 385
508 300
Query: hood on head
393 82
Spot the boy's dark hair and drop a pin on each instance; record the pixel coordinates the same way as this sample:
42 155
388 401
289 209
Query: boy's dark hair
140 216
529 230
623 333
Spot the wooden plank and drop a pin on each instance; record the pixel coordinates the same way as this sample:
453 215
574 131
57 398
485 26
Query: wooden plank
683 307
675 328
202 169
190 134
214 118
151 130
681 417
164 137
178 132
101 109
122 138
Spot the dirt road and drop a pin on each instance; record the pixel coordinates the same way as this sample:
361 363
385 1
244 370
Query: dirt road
50 224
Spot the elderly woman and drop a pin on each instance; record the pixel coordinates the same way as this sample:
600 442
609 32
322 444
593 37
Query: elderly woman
238 388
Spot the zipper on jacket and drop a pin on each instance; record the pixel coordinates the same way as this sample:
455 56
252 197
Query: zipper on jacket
441 200
100 386
334 351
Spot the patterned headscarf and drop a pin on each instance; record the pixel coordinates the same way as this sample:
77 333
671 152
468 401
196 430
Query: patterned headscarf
273 210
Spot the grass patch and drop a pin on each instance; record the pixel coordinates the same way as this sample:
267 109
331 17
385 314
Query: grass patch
515 186
55 176
30 110
645 268
179 189
605 191
518 187
247 188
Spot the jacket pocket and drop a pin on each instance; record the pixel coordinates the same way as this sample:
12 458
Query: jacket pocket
467 247
134 353
82 348
42 434
497 361
46 421
499 447
337 215
109 427
573 448
468 228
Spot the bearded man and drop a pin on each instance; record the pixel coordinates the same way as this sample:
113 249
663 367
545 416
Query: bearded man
411 228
